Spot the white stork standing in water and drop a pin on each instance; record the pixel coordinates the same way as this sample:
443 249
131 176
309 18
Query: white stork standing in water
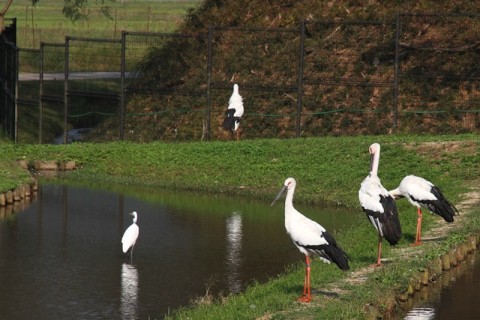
422 193
130 236
310 238
234 112
379 205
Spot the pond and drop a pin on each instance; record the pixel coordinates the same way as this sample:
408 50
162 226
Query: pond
453 296
61 257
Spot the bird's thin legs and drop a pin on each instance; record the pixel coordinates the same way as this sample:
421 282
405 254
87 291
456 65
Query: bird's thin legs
418 237
379 250
306 297
131 255
238 134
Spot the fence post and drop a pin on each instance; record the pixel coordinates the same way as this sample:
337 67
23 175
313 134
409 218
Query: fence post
300 78
65 89
395 73
122 86
40 102
209 83
16 57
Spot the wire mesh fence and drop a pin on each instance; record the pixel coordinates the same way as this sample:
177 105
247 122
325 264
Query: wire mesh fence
159 99
412 73
265 64
438 78
349 89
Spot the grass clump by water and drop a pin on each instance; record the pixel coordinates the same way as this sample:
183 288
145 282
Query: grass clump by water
329 171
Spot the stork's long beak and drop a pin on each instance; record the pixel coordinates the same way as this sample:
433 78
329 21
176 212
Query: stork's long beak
279 194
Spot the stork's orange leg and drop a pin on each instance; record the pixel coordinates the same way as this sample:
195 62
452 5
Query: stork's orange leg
418 236
379 251
306 297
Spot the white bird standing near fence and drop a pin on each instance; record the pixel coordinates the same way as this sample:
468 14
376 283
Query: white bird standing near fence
379 205
130 236
234 112
422 193
309 237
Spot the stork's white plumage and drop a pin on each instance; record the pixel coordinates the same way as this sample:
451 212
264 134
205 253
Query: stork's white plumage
309 237
422 193
234 111
130 236
379 205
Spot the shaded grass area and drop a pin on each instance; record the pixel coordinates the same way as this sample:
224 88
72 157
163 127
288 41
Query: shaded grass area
328 170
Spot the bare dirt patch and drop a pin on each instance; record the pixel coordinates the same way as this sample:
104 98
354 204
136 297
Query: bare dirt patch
438 148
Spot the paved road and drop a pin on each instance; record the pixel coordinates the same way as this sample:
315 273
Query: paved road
25 76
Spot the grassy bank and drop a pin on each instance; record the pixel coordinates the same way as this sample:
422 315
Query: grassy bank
328 170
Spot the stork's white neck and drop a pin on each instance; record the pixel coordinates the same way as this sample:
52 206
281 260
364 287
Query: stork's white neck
375 159
134 217
289 198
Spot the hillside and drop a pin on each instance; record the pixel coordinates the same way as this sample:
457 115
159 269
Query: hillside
349 83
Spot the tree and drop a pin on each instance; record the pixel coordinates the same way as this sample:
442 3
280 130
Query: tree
78 9
2 14
73 9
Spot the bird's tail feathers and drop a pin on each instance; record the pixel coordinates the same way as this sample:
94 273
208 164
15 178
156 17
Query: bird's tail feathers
444 209
390 223
391 228
334 253
392 232
229 121
338 256
442 206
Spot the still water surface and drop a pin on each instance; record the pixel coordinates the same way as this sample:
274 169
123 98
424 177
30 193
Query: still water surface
61 257
454 296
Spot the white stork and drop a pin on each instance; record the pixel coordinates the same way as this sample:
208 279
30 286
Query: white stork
130 236
379 205
234 112
422 193
310 238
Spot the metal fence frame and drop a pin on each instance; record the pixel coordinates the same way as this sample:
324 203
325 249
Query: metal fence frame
211 84
9 80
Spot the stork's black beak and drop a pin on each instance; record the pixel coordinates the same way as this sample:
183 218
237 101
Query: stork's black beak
279 194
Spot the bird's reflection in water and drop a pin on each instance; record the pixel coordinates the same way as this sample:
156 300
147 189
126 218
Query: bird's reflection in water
234 248
129 299
425 313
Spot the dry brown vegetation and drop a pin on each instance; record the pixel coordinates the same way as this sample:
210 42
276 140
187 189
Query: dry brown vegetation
348 71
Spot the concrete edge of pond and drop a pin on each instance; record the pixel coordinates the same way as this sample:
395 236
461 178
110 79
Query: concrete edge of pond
438 266
50 165
23 192
425 277
19 195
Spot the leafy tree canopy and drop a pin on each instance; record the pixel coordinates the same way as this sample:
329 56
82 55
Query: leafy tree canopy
77 10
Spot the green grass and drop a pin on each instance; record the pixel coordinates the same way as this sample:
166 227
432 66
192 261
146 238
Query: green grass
329 170
45 21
